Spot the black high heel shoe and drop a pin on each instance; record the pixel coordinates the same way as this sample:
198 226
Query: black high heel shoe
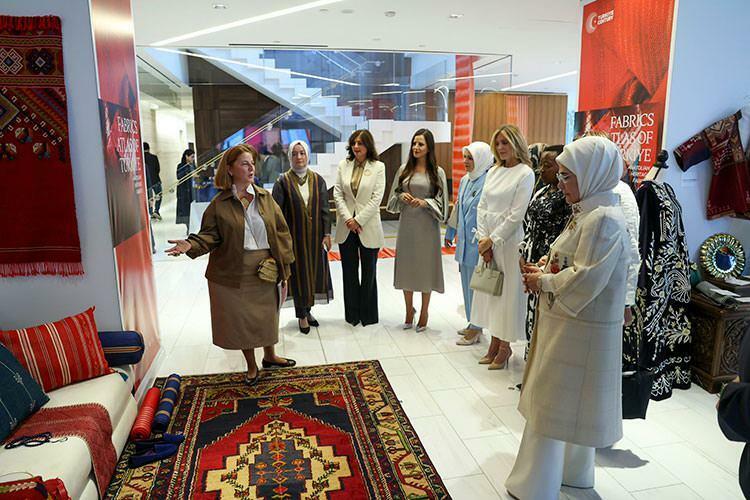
312 321
303 329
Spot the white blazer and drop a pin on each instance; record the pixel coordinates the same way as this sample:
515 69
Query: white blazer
365 208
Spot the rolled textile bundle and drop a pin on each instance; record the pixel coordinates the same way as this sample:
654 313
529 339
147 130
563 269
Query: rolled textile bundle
169 396
142 426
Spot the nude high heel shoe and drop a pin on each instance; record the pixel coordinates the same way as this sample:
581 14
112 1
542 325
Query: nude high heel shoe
505 354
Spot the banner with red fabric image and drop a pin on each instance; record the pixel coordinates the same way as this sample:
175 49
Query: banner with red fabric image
463 117
118 92
625 50
39 227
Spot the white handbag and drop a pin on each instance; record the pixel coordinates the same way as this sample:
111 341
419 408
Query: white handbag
488 279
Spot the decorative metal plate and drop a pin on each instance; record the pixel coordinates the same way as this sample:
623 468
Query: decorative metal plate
722 256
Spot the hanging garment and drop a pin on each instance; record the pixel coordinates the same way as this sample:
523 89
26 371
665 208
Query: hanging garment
660 315
729 193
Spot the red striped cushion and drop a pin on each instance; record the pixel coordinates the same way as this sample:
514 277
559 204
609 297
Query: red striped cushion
60 353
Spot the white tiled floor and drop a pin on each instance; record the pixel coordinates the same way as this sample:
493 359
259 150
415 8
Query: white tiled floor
465 415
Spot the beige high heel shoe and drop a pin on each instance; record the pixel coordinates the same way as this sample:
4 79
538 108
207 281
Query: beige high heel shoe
505 353
470 338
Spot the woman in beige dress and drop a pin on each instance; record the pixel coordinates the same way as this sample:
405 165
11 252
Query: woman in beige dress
571 394
420 194
250 250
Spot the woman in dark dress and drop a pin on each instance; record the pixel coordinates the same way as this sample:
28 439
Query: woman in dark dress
303 197
545 219
185 187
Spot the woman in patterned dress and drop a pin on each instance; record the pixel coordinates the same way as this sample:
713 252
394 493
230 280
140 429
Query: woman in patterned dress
545 219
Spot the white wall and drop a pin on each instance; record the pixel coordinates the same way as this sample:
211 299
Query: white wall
710 80
168 131
30 301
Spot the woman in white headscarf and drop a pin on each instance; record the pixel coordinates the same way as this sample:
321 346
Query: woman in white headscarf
463 225
571 393
303 197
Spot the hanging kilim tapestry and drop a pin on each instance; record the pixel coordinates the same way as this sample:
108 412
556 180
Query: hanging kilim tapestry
321 432
37 205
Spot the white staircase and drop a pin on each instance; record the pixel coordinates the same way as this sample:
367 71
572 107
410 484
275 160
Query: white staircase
278 84
293 92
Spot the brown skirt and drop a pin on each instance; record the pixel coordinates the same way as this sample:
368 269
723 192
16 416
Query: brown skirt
246 317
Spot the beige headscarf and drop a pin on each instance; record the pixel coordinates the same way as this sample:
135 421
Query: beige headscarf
595 161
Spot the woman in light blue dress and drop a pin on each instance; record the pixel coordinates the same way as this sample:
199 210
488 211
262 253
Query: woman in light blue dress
463 224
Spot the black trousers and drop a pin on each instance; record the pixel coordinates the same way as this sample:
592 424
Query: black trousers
360 295
300 308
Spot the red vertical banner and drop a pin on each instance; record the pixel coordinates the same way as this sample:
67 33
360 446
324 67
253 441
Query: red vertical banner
463 116
120 121
625 49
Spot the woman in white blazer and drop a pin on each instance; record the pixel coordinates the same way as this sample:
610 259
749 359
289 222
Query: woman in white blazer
358 192
571 394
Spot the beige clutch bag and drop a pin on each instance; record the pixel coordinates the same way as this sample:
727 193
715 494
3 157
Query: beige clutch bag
268 270
488 279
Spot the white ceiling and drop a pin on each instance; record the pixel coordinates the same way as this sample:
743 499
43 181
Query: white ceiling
543 36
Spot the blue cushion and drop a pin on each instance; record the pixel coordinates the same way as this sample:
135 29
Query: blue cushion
20 395
122 347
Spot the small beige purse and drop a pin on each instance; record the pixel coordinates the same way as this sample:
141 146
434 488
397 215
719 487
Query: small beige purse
268 270
488 279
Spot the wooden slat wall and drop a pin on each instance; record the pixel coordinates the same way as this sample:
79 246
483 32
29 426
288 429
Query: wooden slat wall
546 117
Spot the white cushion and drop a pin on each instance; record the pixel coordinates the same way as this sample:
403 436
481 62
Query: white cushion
111 391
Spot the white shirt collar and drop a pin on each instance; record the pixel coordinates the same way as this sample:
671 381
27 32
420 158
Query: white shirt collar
250 190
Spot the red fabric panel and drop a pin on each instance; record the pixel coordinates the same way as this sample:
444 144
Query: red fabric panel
463 117
60 353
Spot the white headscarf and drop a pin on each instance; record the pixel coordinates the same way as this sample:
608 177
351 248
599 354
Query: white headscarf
483 159
596 162
291 160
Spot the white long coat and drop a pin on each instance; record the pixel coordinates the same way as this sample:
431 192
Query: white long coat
573 380
502 207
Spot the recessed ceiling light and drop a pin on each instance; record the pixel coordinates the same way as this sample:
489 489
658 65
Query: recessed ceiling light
220 6
390 13
323 10
347 11
376 39
455 16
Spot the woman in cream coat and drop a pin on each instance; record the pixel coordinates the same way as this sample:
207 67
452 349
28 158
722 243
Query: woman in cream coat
358 192
502 207
571 396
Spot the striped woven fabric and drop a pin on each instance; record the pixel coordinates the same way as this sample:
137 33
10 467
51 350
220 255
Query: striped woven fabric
167 403
60 353
142 425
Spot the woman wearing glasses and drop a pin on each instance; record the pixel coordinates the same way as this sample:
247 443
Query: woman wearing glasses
502 206
571 394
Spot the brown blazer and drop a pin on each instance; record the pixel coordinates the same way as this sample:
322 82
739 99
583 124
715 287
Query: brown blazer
222 234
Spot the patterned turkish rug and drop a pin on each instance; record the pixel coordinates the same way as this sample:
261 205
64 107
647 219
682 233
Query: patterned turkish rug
321 432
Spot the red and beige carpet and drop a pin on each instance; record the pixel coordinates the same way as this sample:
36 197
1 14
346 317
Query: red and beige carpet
329 432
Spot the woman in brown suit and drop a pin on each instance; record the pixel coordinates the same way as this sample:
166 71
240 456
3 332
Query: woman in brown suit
250 250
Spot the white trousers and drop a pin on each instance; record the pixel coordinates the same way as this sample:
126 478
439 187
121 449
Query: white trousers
543 465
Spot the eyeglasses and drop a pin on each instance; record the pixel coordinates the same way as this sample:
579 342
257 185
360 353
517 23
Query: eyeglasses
564 178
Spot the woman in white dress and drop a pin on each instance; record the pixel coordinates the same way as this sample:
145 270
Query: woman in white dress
571 395
502 207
